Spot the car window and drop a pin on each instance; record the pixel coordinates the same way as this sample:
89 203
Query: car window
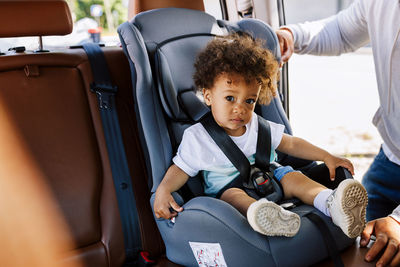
92 22
213 8
332 99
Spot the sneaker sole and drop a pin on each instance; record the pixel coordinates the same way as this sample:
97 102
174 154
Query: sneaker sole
272 220
354 203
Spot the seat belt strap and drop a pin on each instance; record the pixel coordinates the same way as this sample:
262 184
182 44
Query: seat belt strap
263 151
330 243
105 92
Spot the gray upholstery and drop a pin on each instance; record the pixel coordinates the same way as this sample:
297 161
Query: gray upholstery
160 77
177 73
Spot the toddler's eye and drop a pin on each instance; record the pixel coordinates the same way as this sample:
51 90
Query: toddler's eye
250 101
229 98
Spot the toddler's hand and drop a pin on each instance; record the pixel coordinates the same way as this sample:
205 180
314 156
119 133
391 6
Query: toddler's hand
333 162
162 204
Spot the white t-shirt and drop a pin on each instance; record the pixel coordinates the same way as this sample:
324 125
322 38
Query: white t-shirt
198 152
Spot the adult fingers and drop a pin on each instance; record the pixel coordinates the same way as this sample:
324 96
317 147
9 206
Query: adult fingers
390 252
285 43
286 53
281 42
396 259
366 233
380 243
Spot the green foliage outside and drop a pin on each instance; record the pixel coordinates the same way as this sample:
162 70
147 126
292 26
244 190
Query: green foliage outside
81 8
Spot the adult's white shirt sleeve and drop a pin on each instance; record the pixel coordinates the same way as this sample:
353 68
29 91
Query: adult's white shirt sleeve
184 156
341 33
396 214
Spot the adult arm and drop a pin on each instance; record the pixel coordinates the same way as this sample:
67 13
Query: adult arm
341 33
387 233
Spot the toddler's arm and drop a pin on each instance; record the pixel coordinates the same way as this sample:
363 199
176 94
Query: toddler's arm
300 148
174 179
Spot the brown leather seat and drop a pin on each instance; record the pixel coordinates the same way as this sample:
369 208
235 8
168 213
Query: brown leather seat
48 99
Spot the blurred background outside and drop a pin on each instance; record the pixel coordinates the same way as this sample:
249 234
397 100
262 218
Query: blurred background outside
92 19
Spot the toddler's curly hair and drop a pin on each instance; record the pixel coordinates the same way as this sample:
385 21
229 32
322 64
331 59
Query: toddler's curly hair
239 54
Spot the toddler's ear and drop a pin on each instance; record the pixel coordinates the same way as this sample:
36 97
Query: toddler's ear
207 96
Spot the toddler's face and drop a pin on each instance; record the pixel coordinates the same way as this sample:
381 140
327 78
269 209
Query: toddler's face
232 102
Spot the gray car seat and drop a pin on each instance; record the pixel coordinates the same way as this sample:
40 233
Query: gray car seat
161 46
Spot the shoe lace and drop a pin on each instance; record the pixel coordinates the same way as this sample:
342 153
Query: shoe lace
330 199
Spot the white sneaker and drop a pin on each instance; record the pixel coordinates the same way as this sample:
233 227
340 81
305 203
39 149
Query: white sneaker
347 205
270 219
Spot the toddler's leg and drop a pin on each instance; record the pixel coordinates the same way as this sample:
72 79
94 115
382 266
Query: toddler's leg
264 216
238 198
347 205
296 184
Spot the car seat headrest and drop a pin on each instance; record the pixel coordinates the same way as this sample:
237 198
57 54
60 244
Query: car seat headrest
173 37
34 18
143 5
161 24
258 30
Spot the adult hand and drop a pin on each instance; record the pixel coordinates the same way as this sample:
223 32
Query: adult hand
286 43
387 232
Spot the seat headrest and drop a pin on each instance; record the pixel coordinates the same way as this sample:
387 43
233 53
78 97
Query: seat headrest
34 18
160 24
174 57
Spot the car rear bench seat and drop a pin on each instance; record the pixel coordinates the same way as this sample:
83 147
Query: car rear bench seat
47 97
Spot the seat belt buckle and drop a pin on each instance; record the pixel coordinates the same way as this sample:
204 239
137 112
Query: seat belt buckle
104 93
262 181
107 88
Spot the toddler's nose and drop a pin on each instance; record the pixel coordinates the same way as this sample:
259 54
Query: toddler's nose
239 108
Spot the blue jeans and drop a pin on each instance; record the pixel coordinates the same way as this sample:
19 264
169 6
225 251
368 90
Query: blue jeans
382 181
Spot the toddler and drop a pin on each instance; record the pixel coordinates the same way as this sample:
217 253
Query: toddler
234 73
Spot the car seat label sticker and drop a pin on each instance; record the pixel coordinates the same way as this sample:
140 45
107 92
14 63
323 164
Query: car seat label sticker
208 254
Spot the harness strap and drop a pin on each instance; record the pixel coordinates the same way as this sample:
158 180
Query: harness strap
330 243
263 152
226 144
233 152
105 92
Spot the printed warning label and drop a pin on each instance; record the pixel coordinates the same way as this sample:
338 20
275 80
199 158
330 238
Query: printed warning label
208 254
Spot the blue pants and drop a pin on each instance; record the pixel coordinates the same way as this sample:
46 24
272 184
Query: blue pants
382 181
